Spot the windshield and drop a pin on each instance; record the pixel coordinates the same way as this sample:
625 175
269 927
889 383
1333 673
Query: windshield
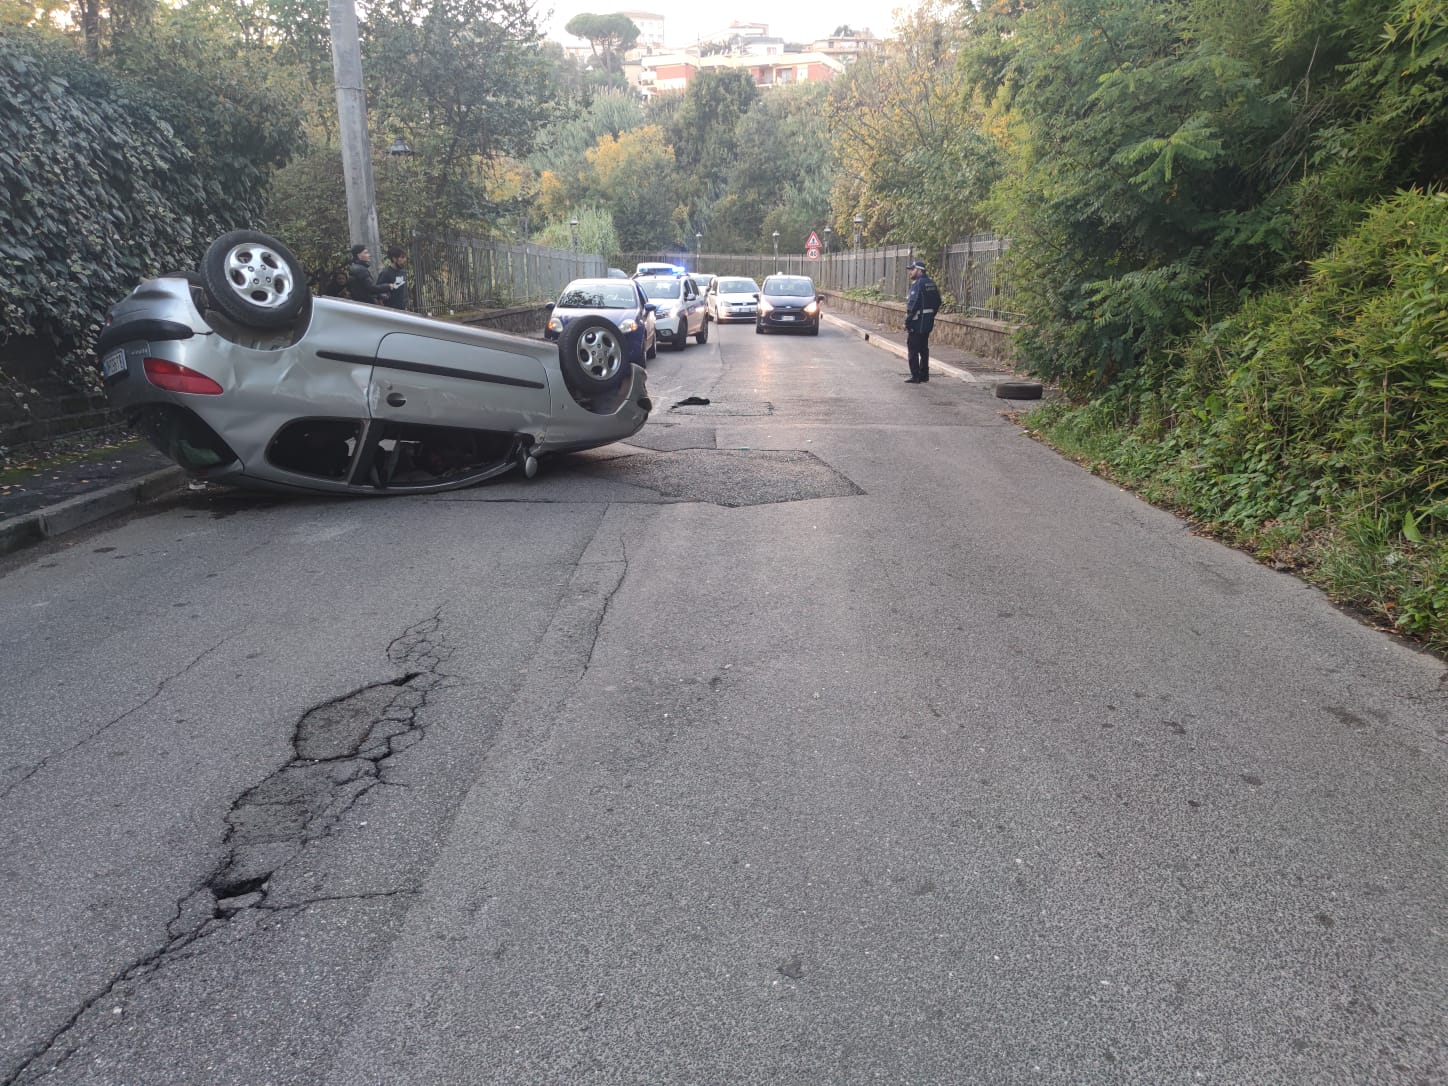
661 288
789 288
597 296
737 286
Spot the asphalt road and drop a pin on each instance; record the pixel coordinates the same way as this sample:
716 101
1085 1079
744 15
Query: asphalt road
833 732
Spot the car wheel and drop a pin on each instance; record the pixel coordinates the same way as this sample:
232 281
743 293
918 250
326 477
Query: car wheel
254 279
815 330
653 350
682 339
591 355
703 336
758 329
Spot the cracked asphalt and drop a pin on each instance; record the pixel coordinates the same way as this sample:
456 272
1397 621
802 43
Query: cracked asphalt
832 732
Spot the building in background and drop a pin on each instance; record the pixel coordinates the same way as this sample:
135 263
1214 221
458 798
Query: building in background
666 72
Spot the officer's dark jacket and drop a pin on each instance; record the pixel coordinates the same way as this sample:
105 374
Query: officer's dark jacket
921 305
361 286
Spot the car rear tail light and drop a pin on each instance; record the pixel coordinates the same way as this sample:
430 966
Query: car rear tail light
174 377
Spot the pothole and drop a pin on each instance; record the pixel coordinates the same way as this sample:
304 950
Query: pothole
730 477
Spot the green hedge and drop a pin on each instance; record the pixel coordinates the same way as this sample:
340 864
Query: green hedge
1312 426
98 190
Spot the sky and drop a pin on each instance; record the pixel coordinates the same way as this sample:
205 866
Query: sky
684 23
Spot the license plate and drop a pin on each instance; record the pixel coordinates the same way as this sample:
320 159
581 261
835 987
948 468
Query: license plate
787 317
113 364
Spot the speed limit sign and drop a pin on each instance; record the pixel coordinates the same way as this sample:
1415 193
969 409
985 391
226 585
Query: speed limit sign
812 253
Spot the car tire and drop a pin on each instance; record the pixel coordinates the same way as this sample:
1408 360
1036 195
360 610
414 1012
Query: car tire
255 280
682 339
815 330
652 352
1018 390
758 329
592 355
703 336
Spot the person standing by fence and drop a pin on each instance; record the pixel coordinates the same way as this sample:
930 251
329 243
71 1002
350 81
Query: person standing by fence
921 305
394 277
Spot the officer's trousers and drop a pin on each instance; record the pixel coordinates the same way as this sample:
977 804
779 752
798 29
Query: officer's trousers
918 345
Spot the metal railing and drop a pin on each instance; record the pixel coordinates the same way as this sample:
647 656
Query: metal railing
458 272
965 271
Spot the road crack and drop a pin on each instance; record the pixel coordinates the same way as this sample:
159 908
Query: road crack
340 750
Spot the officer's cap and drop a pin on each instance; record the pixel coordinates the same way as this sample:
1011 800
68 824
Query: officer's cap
918 264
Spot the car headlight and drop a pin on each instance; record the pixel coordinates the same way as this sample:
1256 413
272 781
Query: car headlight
812 308
555 324
628 324
764 306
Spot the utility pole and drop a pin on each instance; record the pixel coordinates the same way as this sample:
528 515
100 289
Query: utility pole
352 127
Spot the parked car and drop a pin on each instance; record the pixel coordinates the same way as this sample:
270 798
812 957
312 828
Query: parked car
733 298
648 268
788 303
679 311
621 301
242 377
702 282
617 273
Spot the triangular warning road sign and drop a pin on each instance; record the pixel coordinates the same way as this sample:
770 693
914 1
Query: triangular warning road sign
813 242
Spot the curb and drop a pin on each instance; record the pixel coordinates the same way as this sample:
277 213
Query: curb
54 520
900 351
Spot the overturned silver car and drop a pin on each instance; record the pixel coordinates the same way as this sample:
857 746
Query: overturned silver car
242 377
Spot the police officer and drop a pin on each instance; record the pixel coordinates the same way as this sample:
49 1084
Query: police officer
921 305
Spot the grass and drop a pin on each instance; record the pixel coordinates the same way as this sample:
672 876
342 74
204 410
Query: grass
1361 558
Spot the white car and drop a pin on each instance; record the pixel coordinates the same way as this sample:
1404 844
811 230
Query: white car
678 309
733 298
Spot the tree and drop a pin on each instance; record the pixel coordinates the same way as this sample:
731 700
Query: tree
908 132
782 175
464 82
611 36
703 129
632 175
562 145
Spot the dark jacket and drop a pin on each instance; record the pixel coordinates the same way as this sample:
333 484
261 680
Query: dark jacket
360 286
921 305
396 295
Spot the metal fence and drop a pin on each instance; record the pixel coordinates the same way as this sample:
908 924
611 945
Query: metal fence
458 272
965 271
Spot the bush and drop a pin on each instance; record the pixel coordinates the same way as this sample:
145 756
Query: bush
99 189
1312 426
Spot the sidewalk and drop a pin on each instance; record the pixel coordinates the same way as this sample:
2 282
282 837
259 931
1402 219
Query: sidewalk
961 363
78 480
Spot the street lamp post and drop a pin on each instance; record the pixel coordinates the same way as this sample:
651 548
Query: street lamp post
399 151
698 249
828 232
859 230
573 233
776 248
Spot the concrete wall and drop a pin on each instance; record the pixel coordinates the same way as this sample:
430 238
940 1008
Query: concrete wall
987 338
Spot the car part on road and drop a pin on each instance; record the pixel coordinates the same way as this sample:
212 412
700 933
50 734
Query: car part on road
1018 390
